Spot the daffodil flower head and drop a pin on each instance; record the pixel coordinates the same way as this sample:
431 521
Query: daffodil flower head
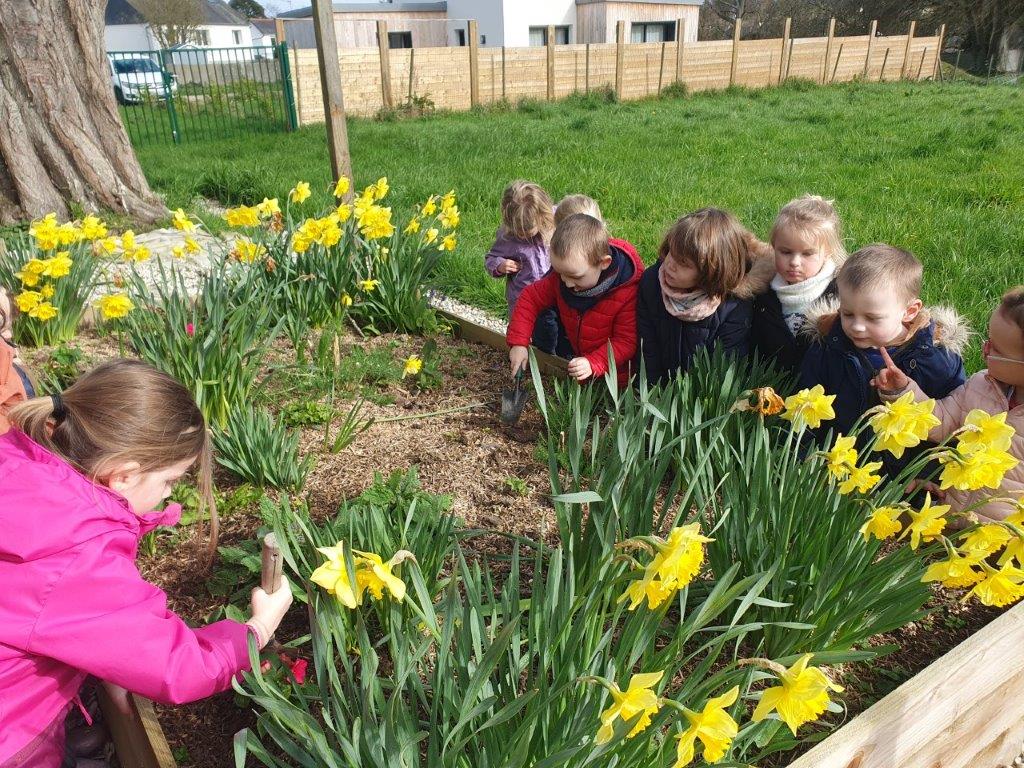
927 523
638 699
809 407
375 575
300 192
801 698
1000 587
342 186
842 457
973 466
883 523
713 726
957 571
334 576
181 221
115 305
984 429
861 479
413 365
903 424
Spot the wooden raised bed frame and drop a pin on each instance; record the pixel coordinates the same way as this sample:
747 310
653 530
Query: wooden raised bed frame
965 710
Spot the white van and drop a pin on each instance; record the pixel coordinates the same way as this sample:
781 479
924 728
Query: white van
137 77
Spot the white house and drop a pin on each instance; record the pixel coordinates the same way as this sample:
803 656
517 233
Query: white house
513 23
222 28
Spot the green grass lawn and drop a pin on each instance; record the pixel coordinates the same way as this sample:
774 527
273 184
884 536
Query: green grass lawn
935 168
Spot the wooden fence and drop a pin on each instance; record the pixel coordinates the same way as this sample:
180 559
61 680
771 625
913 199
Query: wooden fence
457 78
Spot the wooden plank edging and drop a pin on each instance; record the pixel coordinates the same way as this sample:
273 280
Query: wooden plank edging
470 331
139 740
965 710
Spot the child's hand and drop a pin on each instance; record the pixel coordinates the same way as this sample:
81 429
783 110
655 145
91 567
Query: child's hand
508 267
519 357
268 610
579 368
119 697
918 485
891 378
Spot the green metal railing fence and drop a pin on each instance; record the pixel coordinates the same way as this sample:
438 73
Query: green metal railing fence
178 95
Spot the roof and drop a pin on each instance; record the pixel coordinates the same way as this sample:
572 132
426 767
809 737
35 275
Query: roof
644 2
382 7
215 13
264 25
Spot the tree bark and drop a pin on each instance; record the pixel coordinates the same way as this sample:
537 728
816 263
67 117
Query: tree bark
62 142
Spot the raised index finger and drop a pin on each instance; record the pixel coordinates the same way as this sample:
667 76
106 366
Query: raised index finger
887 359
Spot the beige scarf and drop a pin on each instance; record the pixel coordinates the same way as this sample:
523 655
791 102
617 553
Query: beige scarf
688 306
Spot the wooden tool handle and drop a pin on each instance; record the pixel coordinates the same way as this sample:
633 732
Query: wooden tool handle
270 576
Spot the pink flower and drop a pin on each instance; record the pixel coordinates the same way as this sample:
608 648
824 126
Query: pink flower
190 329
298 668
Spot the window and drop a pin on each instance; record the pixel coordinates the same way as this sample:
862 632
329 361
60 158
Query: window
539 35
202 37
652 33
236 36
399 39
460 37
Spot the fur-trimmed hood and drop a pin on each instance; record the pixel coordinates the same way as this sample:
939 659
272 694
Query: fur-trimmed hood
951 330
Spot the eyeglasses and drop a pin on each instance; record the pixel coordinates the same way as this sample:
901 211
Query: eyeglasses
986 350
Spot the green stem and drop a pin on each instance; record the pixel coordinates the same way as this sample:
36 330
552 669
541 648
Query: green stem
431 414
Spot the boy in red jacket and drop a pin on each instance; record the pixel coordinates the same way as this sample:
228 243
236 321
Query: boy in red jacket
593 283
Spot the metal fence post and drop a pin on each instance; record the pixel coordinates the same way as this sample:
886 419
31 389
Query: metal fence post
169 96
289 91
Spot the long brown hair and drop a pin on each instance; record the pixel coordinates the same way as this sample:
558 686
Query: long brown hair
124 411
715 243
527 211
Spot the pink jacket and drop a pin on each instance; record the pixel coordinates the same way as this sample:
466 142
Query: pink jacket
73 603
982 392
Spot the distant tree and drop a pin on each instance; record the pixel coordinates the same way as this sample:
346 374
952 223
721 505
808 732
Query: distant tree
173 22
249 8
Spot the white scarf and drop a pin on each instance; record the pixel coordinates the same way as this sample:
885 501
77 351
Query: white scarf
797 298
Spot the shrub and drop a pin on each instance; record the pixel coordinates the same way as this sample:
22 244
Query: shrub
261 450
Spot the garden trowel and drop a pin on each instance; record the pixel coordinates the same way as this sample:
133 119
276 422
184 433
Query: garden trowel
513 399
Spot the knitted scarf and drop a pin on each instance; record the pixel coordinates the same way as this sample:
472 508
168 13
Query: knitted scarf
797 298
688 306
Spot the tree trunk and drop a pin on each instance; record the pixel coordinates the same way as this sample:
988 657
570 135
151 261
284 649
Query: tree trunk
62 142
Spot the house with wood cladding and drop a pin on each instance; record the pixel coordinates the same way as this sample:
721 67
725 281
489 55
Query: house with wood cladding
512 23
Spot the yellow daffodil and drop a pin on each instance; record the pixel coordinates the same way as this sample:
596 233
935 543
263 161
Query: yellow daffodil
267 208
93 228
883 523
138 253
114 305
300 192
43 311
330 233
28 300
181 221
58 266
46 232
842 457
975 466
448 200
992 432
375 575
247 251
178 251
375 223
430 236
380 189
861 479
413 365
1015 546
191 246
68 234
449 217
985 540
676 562
430 207
346 300
638 699
999 588
242 216
903 424
809 407
31 272
343 212
654 591
802 697
367 285
927 523
448 243
107 245
955 572
713 726
47 291
341 187
127 240
412 227
333 576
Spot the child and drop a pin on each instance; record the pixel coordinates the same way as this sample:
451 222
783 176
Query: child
14 383
697 294
520 251
571 204
593 284
879 306
808 248
999 389
80 475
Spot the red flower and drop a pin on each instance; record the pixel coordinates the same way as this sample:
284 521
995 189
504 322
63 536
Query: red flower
190 330
297 667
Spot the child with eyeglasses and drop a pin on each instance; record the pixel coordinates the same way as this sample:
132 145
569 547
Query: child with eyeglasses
996 390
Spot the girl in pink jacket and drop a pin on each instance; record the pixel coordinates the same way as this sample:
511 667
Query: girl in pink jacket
80 475
998 389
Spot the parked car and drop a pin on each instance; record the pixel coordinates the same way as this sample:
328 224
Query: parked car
136 78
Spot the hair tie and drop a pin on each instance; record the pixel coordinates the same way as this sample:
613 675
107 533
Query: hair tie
59 411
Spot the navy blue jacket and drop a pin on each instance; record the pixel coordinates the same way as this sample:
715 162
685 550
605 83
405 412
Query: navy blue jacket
668 344
931 357
770 336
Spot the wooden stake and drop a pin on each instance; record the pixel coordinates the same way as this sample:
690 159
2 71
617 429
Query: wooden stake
474 64
279 31
828 47
384 51
330 85
920 66
885 60
937 74
786 31
906 51
551 63
661 69
835 68
871 44
620 44
680 48
298 83
736 32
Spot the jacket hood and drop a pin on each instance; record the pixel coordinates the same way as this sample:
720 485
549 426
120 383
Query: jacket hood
951 330
758 278
49 506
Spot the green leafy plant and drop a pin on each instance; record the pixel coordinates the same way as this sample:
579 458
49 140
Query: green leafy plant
306 413
517 485
60 369
261 450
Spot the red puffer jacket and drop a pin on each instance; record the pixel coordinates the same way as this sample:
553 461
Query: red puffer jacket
611 319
